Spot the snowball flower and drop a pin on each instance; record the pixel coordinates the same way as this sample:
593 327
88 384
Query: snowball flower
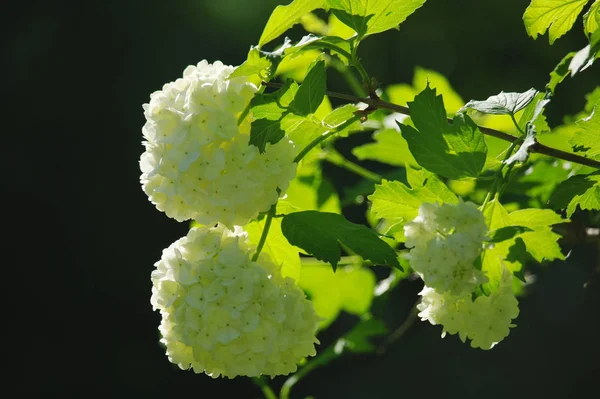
223 314
197 162
445 240
485 321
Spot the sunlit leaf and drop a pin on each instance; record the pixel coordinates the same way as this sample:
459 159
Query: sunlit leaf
276 246
370 17
350 289
284 17
452 150
591 19
555 16
587 136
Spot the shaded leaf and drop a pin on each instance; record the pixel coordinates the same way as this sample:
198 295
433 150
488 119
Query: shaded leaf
312 90
578 190
321 233
358 339
506 233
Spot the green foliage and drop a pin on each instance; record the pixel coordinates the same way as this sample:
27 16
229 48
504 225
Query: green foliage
255 64
335 44
370 17
503 103
358 339
587 136
284 17
555 16
560 72
536 234
578 190
311 92
311 192
276 246
321 233
398 203
591 19
350 289
389 147
506 233
454 150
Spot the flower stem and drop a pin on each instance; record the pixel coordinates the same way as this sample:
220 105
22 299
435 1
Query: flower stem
264 387
400 331
499 180
265 232
320 360
324 137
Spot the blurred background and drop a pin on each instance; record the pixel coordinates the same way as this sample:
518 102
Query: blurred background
84 237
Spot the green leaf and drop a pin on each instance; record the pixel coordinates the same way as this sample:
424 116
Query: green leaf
358 339
255 64
555 16
503 103
560 72
587 137
452 150
585 57
265 131
591 19
535 218
350 289
309 193
395 201
496 217
312 90
370 17
506 233
578 190
301 130
340 116
532 114
335 44
276 246
542 244
284 17
321 233
389 147
537 236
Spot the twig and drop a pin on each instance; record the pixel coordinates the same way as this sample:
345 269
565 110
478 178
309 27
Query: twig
537 147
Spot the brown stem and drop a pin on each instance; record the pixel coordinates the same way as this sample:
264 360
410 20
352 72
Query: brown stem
537 147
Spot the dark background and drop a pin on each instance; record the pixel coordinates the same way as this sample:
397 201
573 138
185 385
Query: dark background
83 237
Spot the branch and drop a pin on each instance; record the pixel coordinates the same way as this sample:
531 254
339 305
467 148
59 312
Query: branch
537 147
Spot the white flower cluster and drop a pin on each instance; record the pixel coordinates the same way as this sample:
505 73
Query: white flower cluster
224 314
485 321
445 241
197 163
